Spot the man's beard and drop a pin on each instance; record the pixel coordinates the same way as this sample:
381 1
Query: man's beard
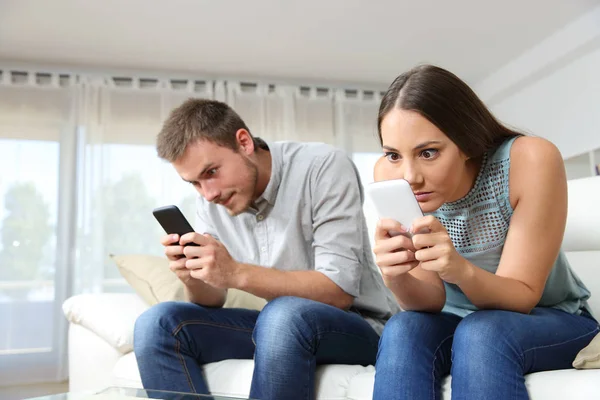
253 179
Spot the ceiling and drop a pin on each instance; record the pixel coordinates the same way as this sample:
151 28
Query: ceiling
345 41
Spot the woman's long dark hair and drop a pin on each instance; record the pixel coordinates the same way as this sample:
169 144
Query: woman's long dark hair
448 103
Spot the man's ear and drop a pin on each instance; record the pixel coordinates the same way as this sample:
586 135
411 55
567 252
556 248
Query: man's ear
245 142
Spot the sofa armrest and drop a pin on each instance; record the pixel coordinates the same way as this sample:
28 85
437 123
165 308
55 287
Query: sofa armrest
111 316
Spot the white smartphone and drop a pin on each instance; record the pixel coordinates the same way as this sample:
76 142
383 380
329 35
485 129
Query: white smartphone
394 199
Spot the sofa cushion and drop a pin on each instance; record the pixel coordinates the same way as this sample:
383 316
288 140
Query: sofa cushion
109 315
233 377
361 387
338 382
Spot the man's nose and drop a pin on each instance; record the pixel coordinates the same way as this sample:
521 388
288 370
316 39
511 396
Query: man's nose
210 193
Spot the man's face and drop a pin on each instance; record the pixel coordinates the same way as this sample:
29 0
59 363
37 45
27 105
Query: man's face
221 175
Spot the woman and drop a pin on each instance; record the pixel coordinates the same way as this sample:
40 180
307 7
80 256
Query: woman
489 295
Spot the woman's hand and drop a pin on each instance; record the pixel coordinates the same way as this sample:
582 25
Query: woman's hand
435 251
395 255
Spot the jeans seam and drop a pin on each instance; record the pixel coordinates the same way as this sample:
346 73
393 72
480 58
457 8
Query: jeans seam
433 364
183 364
346 333
595 331
319 334
198 322
306 388
178 345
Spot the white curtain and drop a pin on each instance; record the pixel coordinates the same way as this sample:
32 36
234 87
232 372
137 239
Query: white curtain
120 177
84 178
36 119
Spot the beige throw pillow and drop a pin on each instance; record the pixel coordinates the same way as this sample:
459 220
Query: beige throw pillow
150 277
240 299
154 282
589 356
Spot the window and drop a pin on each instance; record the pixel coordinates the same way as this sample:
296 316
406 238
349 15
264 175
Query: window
32 121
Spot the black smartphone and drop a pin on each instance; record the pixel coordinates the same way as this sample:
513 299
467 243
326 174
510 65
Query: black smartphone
173 221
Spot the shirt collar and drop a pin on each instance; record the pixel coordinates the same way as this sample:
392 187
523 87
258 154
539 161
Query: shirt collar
270 192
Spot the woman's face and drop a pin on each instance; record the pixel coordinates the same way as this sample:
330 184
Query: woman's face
417 151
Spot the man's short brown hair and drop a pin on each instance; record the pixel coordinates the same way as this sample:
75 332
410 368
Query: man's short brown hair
198 119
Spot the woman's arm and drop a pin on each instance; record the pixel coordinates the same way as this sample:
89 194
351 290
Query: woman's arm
538 195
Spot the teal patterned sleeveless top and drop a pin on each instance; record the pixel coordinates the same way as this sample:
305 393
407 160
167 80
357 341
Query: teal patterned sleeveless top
478 224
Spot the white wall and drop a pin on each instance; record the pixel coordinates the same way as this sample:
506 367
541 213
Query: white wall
564 107
581 166
553 90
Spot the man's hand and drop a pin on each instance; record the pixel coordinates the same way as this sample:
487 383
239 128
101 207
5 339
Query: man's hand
209 261
174 252
436 251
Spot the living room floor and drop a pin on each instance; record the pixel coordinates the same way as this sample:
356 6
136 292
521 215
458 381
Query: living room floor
27 391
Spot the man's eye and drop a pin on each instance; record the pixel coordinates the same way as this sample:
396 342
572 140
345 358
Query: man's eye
429 153
392 156
211 171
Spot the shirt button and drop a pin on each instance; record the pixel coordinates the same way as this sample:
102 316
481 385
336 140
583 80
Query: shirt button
260 217
263 249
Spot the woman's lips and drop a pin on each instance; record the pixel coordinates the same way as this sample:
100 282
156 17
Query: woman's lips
423 196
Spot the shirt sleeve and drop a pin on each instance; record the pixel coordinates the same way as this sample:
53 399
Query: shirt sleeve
338 221
203 224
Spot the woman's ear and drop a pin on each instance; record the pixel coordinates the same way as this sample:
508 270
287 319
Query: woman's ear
464 156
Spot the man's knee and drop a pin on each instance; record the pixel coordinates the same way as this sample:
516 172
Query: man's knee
160 319
286 317
287 311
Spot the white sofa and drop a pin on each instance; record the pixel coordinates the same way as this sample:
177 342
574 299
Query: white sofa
101 331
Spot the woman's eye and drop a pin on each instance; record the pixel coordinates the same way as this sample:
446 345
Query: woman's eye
392 156
429 153
211 171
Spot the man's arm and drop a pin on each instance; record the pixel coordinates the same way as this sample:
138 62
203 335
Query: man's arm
201 293
336 202
212 269
270 283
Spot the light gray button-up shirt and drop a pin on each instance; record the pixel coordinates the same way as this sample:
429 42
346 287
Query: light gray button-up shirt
309 217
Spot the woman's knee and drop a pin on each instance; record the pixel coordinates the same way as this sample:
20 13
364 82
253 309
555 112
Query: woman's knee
483 335
400 329
410 341
410 327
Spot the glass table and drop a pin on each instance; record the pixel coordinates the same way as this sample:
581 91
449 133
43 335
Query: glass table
119 393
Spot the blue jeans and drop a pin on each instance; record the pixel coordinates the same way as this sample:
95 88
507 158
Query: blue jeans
487 353
172 341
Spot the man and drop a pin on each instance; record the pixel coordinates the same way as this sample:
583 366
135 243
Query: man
282 221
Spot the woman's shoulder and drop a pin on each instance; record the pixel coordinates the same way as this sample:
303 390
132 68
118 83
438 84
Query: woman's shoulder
529 152
534 161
